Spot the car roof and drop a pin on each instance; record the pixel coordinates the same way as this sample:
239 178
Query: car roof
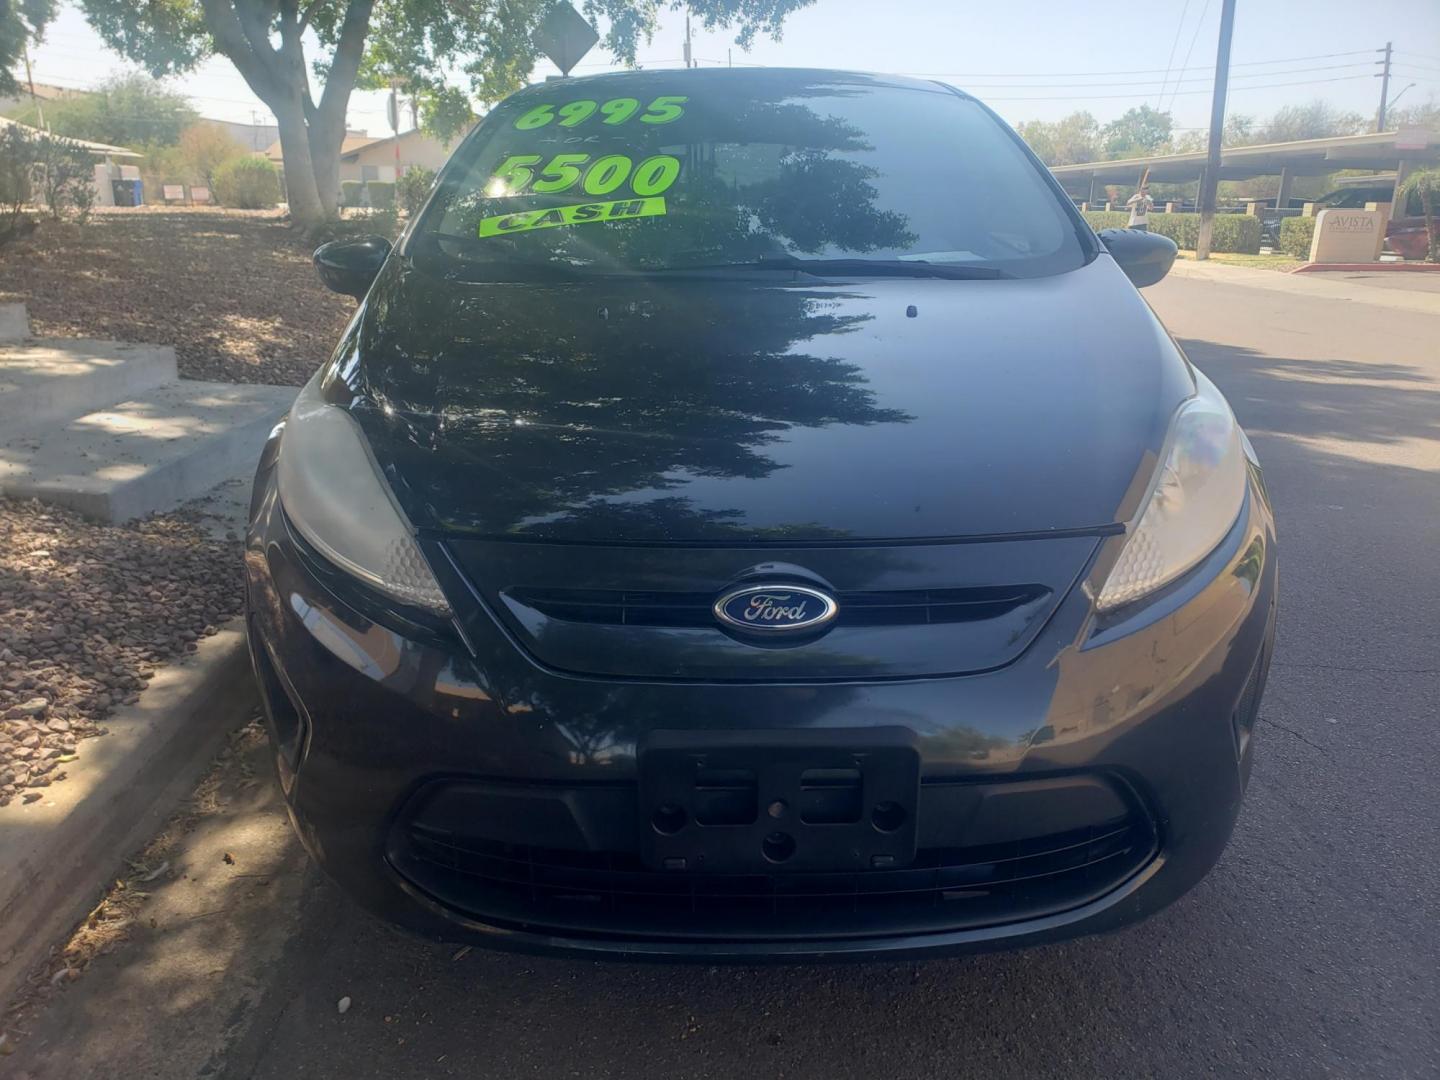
757 75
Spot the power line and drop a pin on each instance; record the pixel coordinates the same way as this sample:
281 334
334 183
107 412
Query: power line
1132 71
1183 93
1175 41
1151 82
1419 67
1195 37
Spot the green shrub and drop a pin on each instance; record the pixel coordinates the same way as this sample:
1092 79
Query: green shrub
17 165
414 187
247 183
1296 233
1233 232
1108 219
67 178
381 192
352 192
384 223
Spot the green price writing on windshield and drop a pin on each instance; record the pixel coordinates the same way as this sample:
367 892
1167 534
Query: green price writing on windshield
522 174
615 111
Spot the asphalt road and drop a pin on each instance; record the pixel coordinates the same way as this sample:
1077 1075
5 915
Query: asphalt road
1313 950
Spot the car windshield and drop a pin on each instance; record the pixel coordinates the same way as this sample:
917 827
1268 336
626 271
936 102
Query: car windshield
672 171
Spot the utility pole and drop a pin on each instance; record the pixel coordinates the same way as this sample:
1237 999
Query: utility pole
34 101
1384 85
689 63
1210 182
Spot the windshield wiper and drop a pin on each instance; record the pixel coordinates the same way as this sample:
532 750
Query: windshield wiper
918 268
899 268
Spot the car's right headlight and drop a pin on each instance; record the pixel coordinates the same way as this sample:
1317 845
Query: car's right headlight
1193 502
334 495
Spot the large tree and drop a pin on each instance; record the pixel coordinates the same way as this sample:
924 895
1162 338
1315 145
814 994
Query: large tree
1073 140
21 21
279 46
1140 131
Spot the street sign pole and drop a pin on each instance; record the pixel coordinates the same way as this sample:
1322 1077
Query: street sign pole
564 36
1210 182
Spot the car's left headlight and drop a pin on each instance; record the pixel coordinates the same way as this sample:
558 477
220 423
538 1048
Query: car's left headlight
334 495
1194 500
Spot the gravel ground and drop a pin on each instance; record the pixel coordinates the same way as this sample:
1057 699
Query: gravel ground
232 290
87 613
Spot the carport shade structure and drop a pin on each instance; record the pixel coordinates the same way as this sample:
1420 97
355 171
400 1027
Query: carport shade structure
96 149
1384 151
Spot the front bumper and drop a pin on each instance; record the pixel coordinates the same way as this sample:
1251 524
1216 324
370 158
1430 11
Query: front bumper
452 785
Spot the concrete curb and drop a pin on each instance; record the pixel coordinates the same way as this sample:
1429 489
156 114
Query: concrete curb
1315 286
58 854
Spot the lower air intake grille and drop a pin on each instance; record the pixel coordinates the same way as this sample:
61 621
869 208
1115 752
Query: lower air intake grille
615 895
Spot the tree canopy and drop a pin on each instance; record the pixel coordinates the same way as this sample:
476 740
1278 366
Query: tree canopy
21 21
128 110
1142 130
1071 141
287 49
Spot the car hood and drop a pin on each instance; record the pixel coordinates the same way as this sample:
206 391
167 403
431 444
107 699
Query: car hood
762 408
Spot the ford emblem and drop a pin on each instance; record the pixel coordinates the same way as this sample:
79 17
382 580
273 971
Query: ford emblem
775 609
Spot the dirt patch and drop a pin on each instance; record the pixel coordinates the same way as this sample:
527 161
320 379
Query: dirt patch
87 614
235 780
232 290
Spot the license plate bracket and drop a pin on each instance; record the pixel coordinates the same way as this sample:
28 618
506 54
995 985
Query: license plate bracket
765 801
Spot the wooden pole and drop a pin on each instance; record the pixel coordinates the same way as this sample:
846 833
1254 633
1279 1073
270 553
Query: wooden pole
1210 182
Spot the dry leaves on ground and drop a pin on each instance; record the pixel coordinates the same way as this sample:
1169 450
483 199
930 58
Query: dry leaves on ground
232 290
87 613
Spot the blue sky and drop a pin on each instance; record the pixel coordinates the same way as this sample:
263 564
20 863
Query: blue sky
1040 59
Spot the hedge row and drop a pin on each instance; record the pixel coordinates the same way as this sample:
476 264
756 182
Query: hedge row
1233 232
1296 233
381 192
250 183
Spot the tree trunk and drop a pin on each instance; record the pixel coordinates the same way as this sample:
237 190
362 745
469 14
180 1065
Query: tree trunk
307 209
1432 230
325 145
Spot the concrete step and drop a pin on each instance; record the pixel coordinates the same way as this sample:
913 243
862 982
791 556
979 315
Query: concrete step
145 455
14 322
48 379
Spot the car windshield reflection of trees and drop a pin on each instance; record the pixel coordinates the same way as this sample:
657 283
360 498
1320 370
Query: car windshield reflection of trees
764 181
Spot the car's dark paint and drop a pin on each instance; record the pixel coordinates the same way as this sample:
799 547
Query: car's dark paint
722 410
1148 696
349 266
868 436
1144 256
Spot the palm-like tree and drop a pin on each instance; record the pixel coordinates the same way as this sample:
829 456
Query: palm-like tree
1427 183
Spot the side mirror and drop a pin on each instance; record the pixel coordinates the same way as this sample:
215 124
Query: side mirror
1145 257
349 266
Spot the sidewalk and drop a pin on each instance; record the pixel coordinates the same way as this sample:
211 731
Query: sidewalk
1407 292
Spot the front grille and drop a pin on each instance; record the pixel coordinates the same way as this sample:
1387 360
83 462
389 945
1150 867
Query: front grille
914 607
614 894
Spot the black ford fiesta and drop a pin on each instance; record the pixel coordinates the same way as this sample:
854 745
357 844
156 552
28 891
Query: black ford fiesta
752 515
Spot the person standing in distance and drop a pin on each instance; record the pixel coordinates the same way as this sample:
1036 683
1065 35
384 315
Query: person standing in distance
1140 205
